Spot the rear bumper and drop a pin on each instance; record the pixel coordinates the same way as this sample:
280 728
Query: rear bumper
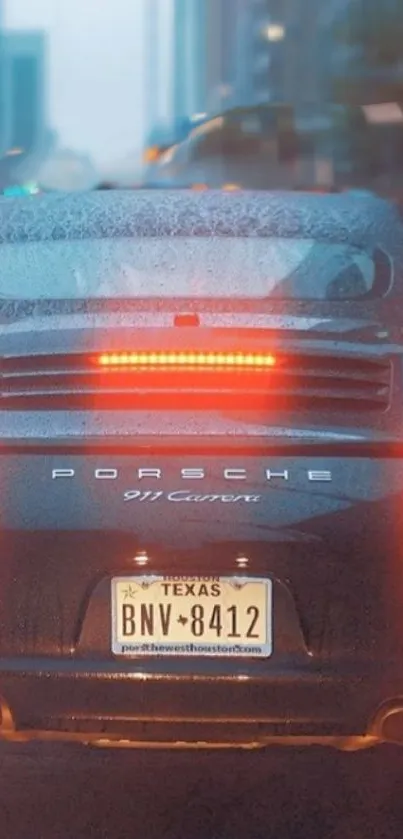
108 705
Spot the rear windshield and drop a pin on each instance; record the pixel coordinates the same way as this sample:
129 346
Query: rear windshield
284 268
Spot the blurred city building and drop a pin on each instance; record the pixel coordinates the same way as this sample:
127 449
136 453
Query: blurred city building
227 52
158 64
190 57
290 52
24 90
365 65
25 137
151 76
1 76
208 57
244 52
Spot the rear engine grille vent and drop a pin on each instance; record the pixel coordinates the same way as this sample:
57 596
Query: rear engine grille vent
297 381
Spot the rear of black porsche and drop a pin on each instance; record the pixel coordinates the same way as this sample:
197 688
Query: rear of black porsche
202 538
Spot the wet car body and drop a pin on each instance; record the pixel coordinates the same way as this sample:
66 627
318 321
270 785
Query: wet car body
297 481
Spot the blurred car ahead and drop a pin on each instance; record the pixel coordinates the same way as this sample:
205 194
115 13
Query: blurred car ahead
275 147
250 148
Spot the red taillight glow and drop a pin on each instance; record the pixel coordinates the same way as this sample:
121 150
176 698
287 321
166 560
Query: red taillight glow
186 359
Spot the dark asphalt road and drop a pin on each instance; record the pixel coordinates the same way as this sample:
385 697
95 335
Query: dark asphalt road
52 791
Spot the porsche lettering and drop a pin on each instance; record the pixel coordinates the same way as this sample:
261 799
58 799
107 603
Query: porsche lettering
111 473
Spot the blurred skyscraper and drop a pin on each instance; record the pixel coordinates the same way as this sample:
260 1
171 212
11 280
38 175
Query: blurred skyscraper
228 53
152 58
158 68
363 43
1 78
24 90
25 137
245 52
208 56
286 51
189 57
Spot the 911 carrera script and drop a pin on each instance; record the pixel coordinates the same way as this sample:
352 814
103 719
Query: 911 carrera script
179 496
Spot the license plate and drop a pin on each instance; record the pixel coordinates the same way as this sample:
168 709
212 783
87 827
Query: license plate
192 616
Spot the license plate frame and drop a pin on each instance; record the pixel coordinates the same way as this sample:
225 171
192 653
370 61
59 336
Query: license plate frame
233 597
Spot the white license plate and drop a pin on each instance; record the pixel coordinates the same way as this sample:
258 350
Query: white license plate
193 616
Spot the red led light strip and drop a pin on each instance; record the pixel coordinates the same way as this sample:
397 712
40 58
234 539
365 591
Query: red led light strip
186 359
